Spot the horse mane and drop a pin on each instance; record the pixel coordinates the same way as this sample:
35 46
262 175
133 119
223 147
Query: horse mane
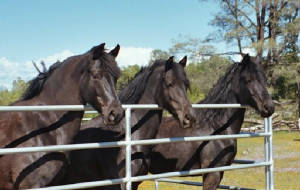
132 93
36 84
113 69
219 94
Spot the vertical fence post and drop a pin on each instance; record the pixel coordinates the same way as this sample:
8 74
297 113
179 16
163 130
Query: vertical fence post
266 143
156 184
128 148
271 168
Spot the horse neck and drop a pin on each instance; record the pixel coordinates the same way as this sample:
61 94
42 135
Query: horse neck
149 119
62 87
219 120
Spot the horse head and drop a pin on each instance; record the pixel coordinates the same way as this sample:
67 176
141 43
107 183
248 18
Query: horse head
253 87
174 88
98 84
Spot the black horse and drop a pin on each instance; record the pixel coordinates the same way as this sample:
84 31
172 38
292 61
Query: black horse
244 83
164 83
87 78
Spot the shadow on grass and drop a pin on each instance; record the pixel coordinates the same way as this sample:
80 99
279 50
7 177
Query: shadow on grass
296 140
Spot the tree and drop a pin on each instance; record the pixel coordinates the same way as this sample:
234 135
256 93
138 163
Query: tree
196 49
271 25
158 54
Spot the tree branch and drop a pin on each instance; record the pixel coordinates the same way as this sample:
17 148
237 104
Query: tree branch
233 13
249 3
241 12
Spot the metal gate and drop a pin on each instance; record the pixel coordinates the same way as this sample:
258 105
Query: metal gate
267 135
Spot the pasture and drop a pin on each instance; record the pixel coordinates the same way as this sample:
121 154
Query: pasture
286 147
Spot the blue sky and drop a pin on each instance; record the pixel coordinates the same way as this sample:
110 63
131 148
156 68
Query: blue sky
36 30
32 29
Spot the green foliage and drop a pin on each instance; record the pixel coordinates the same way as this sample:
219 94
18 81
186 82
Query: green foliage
280 87
127 74
7 97
203 75
290 57
285 81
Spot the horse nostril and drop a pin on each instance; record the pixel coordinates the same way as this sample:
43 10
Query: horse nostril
111 116
266 107
187 117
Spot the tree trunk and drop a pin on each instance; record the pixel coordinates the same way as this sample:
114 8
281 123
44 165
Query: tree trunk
260 27
236 27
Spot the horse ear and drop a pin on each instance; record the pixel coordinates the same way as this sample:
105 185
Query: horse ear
258 60
169 63
246 59
97 51
115 51
182 62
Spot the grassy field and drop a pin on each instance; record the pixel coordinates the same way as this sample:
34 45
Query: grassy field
287 165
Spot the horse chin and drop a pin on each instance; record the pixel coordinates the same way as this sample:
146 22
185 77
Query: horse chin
265 112
263 108
113 116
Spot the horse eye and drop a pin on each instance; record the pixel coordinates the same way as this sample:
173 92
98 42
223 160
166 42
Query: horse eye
169 83
96 75
248 80
93 75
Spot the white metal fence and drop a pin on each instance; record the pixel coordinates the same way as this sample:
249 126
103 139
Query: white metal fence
267 134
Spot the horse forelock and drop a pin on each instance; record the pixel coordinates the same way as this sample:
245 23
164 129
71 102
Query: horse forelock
181 75
110 65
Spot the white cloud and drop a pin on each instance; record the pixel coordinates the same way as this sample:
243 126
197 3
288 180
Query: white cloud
10 71
238 57
133 56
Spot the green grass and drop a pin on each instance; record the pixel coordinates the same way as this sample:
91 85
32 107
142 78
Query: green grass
286 151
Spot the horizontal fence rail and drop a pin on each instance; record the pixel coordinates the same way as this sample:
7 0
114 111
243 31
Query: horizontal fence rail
152 177
124 143
128 143
89 108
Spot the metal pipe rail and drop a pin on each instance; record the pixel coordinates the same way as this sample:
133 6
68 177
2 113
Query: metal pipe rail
69 147
268 163
152 177
89 108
